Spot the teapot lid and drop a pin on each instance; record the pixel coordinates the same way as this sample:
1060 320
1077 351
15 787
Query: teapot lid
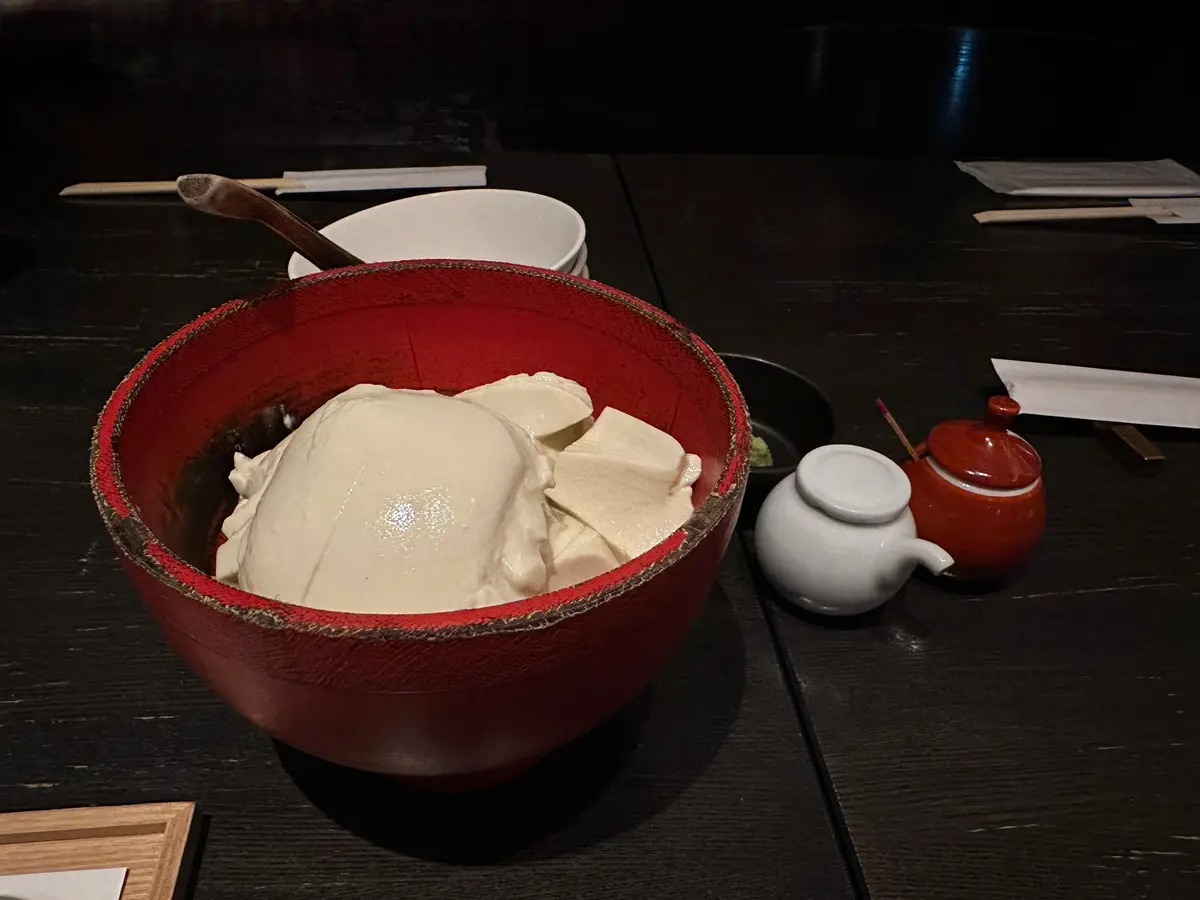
986 453
853 484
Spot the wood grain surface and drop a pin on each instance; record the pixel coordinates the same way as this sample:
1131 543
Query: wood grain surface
148 840
704 789
1037 739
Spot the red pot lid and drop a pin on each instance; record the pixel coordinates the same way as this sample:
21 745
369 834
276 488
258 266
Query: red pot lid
986 453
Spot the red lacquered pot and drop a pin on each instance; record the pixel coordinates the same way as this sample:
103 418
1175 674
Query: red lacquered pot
457 698
978 493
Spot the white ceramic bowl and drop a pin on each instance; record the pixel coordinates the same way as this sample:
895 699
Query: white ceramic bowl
579 264
478 223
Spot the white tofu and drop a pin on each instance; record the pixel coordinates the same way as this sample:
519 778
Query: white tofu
250 474
544 405
229 559
578 551
690 473
554 444
249 477
626 479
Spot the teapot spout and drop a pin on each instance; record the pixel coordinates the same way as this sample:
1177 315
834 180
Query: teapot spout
908 553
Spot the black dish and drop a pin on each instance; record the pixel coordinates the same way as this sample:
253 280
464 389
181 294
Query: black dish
787 411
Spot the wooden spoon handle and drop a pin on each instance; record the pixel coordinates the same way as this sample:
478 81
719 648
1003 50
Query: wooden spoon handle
221 196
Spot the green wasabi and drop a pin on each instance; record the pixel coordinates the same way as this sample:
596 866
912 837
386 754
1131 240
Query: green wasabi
760 453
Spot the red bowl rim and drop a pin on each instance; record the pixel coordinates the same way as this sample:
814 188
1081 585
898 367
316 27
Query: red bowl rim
132 536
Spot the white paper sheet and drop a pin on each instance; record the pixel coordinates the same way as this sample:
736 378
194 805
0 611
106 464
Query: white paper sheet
1144 178
83 884
327 180
1184 212
1101 395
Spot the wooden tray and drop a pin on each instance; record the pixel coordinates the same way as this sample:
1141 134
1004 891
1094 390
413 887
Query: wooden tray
149 840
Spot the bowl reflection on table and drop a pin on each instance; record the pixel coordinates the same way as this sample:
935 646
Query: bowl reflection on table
451 699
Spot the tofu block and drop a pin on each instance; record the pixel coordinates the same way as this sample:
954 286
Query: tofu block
578 551
554 444
628 481
543 404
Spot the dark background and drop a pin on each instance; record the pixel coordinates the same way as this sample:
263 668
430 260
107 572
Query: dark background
987 746
88 87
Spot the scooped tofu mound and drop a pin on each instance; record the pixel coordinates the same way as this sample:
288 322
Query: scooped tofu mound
400 501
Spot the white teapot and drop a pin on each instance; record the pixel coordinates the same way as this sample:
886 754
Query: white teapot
837 538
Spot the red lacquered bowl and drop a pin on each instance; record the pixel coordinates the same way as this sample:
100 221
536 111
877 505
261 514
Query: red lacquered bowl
448 698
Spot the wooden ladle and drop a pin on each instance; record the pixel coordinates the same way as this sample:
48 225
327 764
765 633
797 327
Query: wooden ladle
221 196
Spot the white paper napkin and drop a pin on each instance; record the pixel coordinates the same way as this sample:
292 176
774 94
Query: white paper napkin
1148 178
1183 212
333 180
83 884
1101 395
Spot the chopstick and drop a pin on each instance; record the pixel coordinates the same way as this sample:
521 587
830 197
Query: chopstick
997 216
895 426
320 181
96 188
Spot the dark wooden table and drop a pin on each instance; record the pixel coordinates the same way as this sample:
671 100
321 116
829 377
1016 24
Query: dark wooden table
1039 739
704 789
1035 740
